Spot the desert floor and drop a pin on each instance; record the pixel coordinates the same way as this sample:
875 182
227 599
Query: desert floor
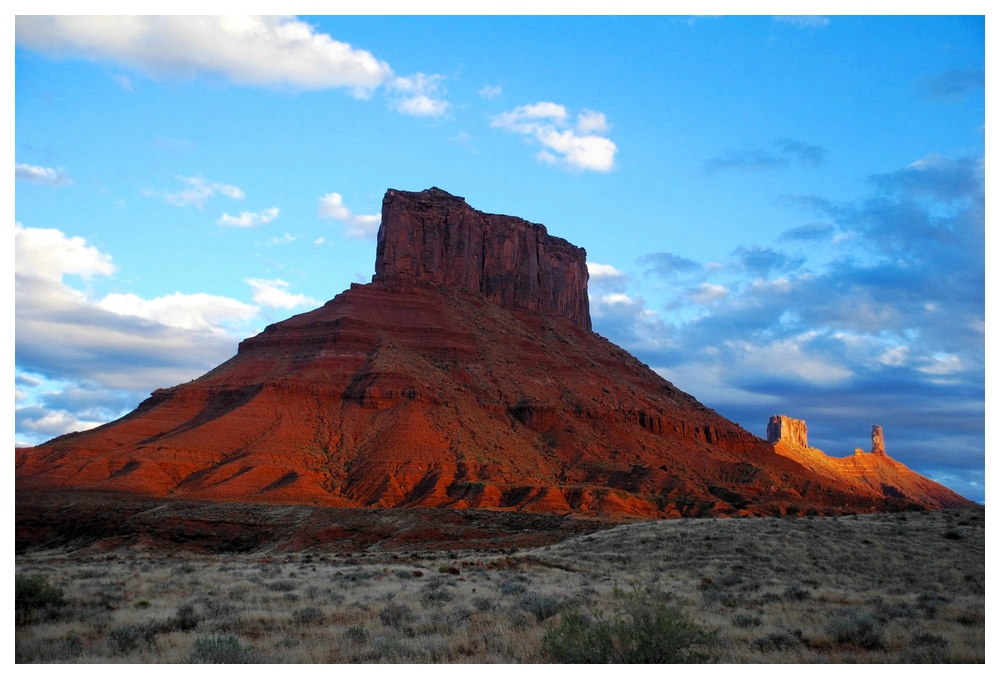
907 587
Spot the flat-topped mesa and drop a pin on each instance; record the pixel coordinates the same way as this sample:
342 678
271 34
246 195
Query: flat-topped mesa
435 237
782 428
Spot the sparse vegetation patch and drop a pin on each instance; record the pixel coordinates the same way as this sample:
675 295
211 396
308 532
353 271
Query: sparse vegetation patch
760 590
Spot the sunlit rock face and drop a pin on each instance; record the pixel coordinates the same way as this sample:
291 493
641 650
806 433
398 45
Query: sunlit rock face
864 472
878 443
782 428
464 376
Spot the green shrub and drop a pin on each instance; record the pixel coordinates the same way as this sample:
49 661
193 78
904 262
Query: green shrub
34 650
397 615
857 629
927 648
310 615
130 638
746 620
776 641
34 592
225 649
642 628
185 620
35 600
356 634
542 607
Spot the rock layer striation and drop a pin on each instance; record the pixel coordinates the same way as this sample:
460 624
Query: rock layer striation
464 376
437 238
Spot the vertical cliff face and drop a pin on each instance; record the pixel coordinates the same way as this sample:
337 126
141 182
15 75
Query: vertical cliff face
782 428
435 237
878 443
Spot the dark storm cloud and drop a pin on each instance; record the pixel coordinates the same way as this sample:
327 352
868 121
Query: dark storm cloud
953 84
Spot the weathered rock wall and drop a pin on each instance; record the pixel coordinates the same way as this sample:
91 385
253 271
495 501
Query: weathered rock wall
782 428
435 237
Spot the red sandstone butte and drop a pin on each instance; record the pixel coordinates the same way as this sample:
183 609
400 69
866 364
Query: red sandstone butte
435 237
464 376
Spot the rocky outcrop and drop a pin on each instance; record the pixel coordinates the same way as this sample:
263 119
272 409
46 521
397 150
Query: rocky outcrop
433 387
782 428
878 443
873 473
435 237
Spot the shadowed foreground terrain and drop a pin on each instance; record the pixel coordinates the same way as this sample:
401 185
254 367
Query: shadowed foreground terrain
905 587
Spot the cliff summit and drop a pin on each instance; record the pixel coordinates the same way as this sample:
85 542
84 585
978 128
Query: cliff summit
435 237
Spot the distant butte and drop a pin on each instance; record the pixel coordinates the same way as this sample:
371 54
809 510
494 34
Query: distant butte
866 472
465 375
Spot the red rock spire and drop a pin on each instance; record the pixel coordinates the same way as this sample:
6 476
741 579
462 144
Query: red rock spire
878 443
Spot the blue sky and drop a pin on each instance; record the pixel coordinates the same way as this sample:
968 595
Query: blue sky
781 214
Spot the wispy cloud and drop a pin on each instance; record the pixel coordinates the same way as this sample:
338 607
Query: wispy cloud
803 21
250 219
809 232
761 261
954 85
550 125
757 159
490 91
357 226
248 50
668 265
198 191
124 82
806 154
41 175
419 95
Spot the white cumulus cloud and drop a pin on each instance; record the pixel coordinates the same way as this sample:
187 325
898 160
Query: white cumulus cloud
198 311
548 124
248 50
591 121
357 226
249 219
603 271
52 422
121 341
41 175
48 254
274 293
